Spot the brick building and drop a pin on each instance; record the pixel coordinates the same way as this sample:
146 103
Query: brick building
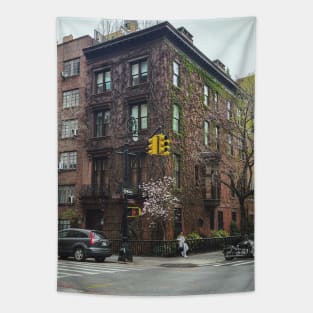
160 79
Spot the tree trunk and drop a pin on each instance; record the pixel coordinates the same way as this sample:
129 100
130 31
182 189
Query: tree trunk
243 217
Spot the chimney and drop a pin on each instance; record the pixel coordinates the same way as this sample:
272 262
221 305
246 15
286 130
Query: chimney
220 65
68 38
185 34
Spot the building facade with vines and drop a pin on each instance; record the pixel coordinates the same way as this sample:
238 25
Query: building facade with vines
157 78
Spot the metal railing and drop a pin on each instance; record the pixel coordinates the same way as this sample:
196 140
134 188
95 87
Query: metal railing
169 248
94 191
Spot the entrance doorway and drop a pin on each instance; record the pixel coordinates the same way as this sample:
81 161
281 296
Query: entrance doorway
93 219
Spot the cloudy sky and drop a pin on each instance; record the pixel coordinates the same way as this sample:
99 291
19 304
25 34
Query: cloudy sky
232 40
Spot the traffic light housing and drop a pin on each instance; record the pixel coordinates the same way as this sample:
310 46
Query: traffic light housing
133 212
164 145
153 145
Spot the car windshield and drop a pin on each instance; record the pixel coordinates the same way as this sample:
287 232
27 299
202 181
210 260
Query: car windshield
99 235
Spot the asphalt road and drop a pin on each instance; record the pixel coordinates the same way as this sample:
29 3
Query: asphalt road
164 279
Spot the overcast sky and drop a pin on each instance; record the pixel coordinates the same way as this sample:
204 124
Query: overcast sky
232 40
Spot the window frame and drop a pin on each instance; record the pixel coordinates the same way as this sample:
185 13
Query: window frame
68 160
105 123
217 137
139 118
70 67
176 76
206 133
175 119
69 191
141 76
220 220
101 88
68 128
206 93
70 98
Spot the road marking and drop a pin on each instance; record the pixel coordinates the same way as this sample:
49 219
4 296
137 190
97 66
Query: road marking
67 269
243 263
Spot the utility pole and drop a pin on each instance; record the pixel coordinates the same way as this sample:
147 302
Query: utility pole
125 254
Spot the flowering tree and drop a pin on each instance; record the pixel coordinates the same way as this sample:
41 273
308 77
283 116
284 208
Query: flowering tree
159 201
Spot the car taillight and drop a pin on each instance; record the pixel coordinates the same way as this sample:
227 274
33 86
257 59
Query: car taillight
92 238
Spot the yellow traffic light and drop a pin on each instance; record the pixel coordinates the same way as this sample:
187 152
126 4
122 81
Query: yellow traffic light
133 211
153 145
164 145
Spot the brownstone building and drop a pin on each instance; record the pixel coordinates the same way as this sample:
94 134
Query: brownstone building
159 79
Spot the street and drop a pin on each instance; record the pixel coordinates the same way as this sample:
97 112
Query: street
163 277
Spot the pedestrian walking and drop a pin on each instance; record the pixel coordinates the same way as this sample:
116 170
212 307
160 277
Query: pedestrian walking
182 245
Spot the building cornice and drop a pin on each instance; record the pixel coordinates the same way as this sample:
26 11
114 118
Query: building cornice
167 30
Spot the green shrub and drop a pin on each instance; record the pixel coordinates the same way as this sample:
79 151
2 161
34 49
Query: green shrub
219 233
234 231
193 236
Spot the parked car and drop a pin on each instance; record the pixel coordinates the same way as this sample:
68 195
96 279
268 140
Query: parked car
83 243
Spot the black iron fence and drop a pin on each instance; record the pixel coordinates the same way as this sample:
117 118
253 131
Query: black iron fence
169 248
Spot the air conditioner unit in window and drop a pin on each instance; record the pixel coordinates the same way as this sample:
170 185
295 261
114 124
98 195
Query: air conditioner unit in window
61 166
74 132
64 74
71 199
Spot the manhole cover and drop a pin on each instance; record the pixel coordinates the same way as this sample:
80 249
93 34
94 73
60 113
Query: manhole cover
179 265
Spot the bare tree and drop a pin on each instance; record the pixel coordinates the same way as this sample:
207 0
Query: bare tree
238 168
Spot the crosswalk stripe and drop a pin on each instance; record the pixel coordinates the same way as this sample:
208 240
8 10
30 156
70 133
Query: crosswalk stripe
90 269
77 271
243 263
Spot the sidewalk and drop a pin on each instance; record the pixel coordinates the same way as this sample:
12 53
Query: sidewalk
195 259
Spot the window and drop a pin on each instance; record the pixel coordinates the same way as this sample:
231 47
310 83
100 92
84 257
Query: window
215 184
139 72
68 160
102 121
66 194
206 95
176 81
220 220
63 224
206 133
70 98
71 68
197 175
216 101
230 145
234 216
176 118
140 113
177 222
137 172
212 218
101 174
103 81
217 139
69 128
229 111
176 159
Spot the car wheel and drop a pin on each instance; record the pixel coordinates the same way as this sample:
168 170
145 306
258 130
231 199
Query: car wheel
79 254
99 259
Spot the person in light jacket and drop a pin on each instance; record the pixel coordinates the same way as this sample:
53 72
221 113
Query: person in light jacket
182 245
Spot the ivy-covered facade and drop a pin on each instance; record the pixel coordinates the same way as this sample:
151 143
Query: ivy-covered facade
158 78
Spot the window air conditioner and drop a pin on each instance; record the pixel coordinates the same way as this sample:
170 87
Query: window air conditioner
61 166
64 74
71 199
74 132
